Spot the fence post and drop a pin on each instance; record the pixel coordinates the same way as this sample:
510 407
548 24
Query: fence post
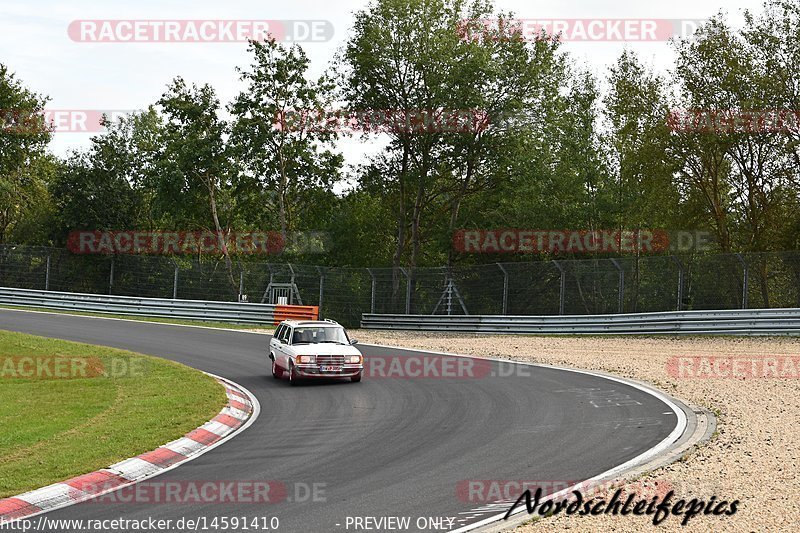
291 281
267 295
562 290
408 290
241 284
175 285
505 288
745 279
681 281
621 299
111 277
449 295
321 288
372 299
47 275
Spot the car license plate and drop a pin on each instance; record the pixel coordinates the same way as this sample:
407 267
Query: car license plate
328 368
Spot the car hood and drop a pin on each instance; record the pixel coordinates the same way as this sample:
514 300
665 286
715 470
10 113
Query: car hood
325 349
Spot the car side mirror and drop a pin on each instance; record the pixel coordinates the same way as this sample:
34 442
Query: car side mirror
353 342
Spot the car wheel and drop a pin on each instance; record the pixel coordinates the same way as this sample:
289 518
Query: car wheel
356 378
276 371
292 375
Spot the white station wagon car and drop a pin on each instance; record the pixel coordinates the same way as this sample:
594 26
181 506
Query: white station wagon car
314 349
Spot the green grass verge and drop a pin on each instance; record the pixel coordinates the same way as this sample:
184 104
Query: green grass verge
88 407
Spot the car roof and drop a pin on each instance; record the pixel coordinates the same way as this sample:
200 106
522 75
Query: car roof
322 323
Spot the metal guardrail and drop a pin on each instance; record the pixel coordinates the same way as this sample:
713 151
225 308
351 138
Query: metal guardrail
245 313
725 322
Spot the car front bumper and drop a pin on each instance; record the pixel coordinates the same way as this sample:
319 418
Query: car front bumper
313 371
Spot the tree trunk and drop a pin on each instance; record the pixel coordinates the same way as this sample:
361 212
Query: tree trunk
456 206
220 237
416 238
401 229
282 195
415 221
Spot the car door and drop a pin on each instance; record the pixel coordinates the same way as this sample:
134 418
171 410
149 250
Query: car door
274 343
285 349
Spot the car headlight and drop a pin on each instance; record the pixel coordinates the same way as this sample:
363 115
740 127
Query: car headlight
306 358
354 359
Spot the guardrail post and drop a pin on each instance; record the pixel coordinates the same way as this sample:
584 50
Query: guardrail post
681 281
175 285
372 299
241 284
47 275
745 279
505 288
111 277
621 299
562 290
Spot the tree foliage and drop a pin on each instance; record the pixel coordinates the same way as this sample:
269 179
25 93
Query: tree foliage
552 145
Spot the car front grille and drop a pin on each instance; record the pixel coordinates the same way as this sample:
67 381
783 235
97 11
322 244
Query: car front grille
333 360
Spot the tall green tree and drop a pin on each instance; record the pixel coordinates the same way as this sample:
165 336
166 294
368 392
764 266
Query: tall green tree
194 162
773 41
413 56
24 134
739 169
285 157
635 108
111 186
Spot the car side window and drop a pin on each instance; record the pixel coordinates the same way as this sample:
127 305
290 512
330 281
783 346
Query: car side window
285 336
279 332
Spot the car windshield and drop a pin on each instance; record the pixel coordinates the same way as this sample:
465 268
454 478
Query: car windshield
314 335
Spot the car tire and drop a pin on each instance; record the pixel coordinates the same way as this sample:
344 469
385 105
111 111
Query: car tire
356 378
292 375
276 371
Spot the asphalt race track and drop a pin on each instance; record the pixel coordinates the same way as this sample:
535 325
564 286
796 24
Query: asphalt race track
385 446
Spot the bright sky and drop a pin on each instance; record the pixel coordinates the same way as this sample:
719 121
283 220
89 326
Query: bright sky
105 76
